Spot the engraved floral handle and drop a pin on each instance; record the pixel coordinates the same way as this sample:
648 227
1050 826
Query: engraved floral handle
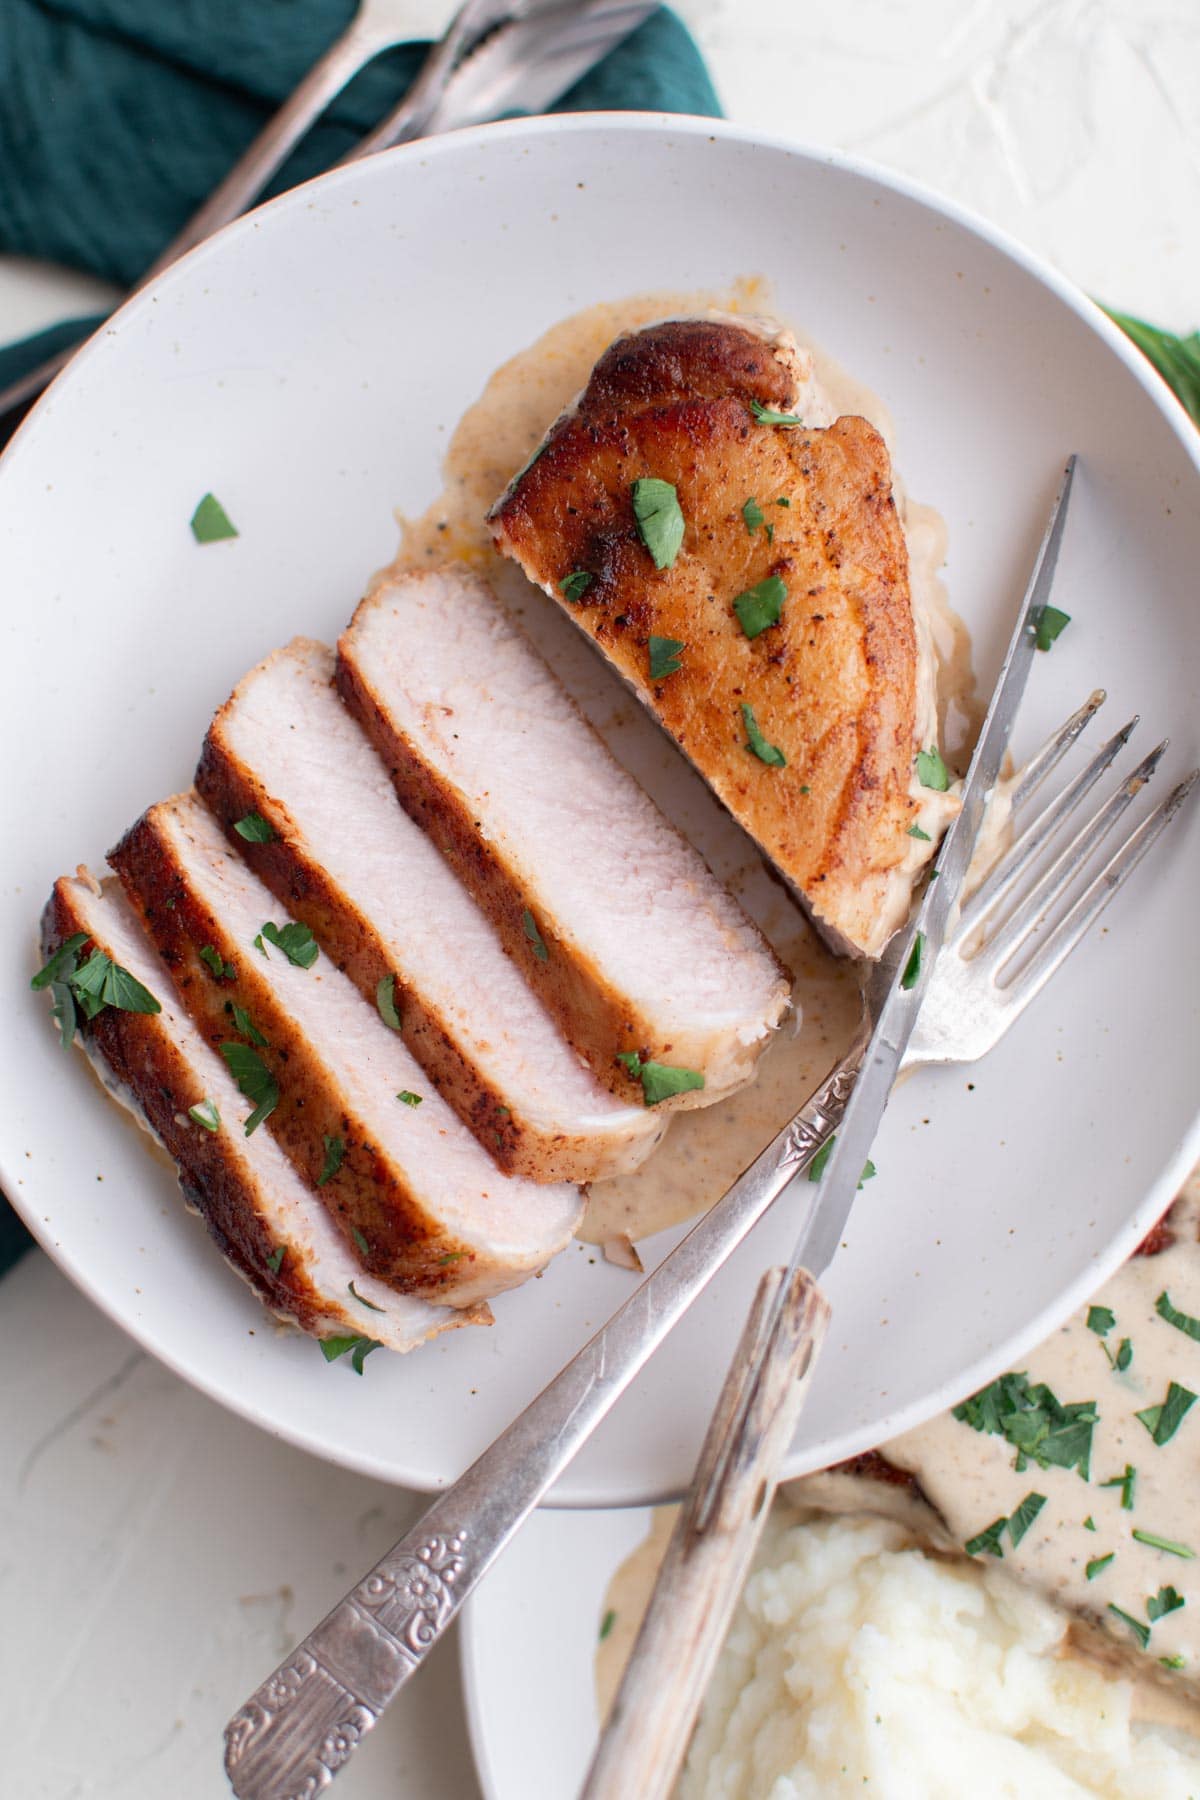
290 1738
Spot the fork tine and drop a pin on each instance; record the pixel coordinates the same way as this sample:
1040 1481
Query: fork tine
1015 860
1091 903
1056 747
1054 880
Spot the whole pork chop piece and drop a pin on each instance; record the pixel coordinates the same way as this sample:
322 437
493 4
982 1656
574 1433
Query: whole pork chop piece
268 1225
622 929
412 1191
348 861
778 645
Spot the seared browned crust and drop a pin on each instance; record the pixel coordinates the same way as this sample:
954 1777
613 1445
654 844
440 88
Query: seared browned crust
140 1053
871 1465
519 1147
834 683
371 1198
571 985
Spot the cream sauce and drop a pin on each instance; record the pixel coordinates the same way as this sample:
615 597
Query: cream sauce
495 436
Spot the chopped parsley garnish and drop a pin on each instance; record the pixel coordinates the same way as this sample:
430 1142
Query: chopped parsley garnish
783 500
1097 1564
664 657
1154 1542
61 965
987 1542
385 1001
296 941
912 969
607 1623
259 945
1034 1421
408 1097
659 519
753 514
211 523
760 606
1051 623
205 1113
931 770
1165 1601
363 1301
1164 1420
254 1080
101 982
914 830
359 1347
1127 1484
255 830
62 1011
451 1256
275 1260
766 415
1182 1321
1124 1356
816 1167
1141 1632
364 1249
535 937
1101 1320
1089 1524
1173 1662
1020 1521
575 586
245 1024
659 1080
335 1149
770 754
216 962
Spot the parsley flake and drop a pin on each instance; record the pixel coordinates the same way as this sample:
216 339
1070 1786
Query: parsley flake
660 1081
573 587
535 937
363 1301
1127 1484
211 523
216 962
770 754
783 500
254 1080
914 831
61 964
255 830
245 1024
409 1098
1141 1632
296 941
359 1348
1152 1540
1089 1524
987 1542
816 1167
275 1260
1164 1420
664 657
1182 1321
205 1113
1020 1521
1124 1356
1034 1421
760 606
912 968
1173 1662
753 514
1098 1564
1165 1601
364 1249
1051 623
385 1002
607 1623
1101 1320
335 1149
931 770
766 415
101 982
659 519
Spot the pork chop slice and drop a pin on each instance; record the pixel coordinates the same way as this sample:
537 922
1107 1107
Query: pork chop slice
412 1191
777 645
264 1219
349 862
622 929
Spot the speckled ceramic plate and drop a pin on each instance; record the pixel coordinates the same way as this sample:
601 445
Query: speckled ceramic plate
308 365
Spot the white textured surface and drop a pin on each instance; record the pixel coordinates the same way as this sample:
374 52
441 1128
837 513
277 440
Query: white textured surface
157 1555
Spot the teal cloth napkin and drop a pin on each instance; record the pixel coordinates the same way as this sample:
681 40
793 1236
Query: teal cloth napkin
118 117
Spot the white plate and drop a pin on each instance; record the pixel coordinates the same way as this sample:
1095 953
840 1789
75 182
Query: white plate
527 1647
308 366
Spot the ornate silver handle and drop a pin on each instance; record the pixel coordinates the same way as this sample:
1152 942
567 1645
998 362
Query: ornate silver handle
306 1720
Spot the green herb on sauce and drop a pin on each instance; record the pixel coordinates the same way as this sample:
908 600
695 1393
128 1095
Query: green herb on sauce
760 606
205 1113
770 754
255 830
1173 1662
659 519
664 657
1182 1321
1163 1421
1097 1564
987 1542
1089 1524
359 1348
931 770
254 1080
915 831
1020 1521
660 1081
574 586
1101 1320
1127 1484
1040 1427
536 940
1165 1601
1152 1540
1141 1632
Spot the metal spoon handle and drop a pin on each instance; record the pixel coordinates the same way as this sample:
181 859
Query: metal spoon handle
309 1716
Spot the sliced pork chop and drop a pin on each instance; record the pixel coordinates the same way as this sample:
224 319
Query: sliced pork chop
625 933
266 1222
826 656
349 862
421 1201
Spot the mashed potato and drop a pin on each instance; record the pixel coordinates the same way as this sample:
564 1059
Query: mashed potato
859 1664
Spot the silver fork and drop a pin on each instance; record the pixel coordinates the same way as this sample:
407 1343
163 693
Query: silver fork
306 1720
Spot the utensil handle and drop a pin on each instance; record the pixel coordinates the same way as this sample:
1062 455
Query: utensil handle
309 1716
711 1548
